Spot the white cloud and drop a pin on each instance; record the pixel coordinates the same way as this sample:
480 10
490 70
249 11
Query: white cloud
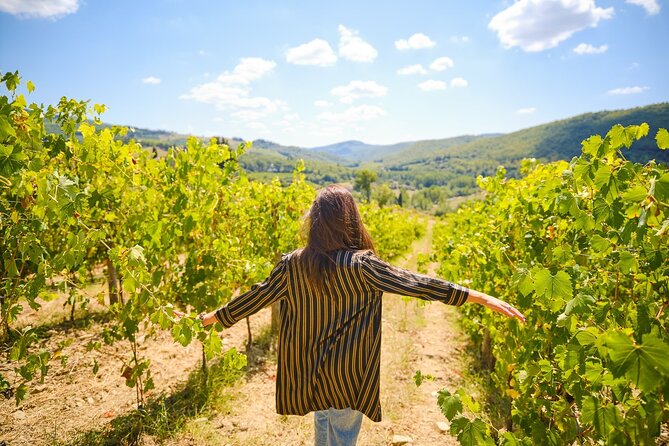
231 90
39 8
353 48
526 110
412 69
249 69
256 125
354 114
153 80
416 42
358 89
460 39
249 115
322 104
317 52
586 48
652 7
537 25
458 82
627 90
432 85
441 64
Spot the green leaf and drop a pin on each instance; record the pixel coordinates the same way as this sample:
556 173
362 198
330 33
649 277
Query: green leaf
183 332
578 304
584 222
21 393
599 243
591 145
641 130
11 80
662 138
523 279
620 136
587 336
627 263
212 345
661 190
556 286
602 176
603 417
6 129
635 194
467 401
136 256
644 364
450 404
30 86
471 433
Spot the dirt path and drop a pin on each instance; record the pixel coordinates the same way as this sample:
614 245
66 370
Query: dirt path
415 337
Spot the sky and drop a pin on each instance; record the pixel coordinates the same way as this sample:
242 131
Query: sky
319 72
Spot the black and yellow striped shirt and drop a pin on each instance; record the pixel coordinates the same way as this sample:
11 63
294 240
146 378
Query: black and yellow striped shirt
329 350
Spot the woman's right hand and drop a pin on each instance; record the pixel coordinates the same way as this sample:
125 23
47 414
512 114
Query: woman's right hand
495 304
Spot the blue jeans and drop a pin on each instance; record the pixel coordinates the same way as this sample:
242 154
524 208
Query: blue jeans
337 427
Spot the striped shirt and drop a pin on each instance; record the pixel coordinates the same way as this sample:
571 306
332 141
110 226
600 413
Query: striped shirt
329 350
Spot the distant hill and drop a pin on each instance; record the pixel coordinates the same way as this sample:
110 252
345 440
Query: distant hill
440 162
548 142
360 151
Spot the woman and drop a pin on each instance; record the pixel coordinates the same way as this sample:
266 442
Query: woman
330 307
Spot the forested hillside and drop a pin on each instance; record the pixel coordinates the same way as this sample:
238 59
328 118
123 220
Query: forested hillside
451 163
557 140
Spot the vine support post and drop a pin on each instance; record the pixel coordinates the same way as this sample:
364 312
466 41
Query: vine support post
275 319
249 341
204 366
4 323
139 386
73 297
112 282
487 358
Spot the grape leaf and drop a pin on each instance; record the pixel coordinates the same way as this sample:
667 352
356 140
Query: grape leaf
603 417
471 433
644 364
662 138
450 404
662 188
556 286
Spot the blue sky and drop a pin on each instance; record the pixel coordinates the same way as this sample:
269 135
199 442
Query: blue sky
314 73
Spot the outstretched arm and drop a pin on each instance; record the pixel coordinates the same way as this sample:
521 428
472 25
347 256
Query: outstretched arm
385 277
494 304
260 295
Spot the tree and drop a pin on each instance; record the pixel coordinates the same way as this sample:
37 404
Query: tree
384 195
363 182
403 198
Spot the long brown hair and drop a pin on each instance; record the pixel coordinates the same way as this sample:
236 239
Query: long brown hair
333 223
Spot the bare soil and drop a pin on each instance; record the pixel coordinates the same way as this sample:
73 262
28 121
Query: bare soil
73 400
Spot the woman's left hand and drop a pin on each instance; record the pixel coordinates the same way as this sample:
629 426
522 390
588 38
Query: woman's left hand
206 319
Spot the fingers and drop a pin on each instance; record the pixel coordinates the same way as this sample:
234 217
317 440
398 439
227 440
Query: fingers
508 310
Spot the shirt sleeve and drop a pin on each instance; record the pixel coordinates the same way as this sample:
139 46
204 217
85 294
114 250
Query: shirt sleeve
384 277
260 295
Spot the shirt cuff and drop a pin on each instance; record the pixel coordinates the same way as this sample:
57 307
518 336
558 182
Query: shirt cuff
223 316
461 295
